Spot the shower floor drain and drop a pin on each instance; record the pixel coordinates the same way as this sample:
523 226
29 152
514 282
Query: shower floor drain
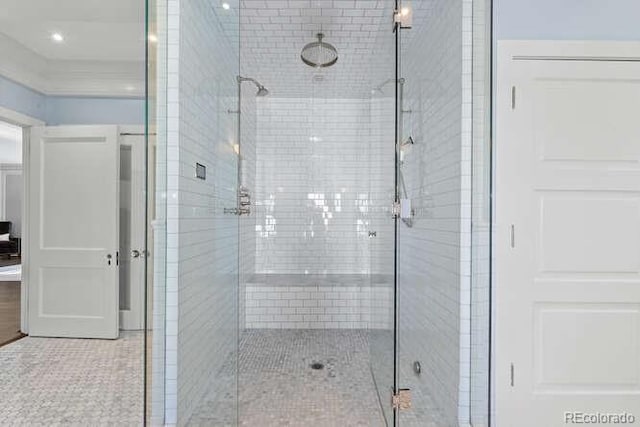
317 365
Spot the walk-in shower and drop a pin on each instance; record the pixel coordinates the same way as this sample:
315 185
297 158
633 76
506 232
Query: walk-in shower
315 306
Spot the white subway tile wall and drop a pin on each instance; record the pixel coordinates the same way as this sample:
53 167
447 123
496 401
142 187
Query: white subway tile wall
202 241
313 184
274 31
347 301
322 168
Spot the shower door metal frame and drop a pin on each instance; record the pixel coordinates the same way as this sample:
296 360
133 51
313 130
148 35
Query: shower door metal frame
397 28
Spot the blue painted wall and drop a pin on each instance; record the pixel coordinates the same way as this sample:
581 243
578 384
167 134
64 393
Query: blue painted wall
94 111
57 110
567 19
20 98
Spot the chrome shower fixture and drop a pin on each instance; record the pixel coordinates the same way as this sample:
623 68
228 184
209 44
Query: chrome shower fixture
262 91
380 87
409 141
319 54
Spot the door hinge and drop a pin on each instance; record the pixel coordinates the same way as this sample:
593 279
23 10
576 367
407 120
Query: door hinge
402 209
117 257
513 97
401 400
511 375
403 17
396 208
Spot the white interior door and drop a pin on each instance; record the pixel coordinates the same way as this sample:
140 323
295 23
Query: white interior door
132 228
73 219
568 238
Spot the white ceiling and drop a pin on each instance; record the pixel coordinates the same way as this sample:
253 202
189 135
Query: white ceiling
94 30
102 53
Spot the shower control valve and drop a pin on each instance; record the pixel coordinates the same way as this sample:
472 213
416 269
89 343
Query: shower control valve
243 192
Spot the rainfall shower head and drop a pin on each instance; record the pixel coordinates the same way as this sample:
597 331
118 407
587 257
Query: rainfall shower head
262 91
319 54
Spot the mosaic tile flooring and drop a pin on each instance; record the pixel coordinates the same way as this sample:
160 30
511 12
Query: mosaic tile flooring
72 382
277 386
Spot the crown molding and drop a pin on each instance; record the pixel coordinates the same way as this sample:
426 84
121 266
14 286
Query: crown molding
121 79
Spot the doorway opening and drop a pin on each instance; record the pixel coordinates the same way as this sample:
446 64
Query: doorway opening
11 218
76 300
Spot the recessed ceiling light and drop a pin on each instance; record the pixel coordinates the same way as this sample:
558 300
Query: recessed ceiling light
130 88
226 6
57 37
153 38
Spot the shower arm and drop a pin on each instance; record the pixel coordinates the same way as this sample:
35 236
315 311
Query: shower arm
249 79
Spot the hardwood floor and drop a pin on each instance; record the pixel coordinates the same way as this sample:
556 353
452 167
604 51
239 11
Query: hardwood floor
9 312
9 306
5 261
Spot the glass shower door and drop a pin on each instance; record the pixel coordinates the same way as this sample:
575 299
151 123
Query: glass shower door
383 198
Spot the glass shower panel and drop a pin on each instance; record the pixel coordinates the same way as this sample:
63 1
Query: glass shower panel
156 209
429 123
434 245
381 222
208 210
481 218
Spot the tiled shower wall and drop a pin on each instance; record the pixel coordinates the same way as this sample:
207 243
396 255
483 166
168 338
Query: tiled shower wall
324 181
434 255
313 187
202 242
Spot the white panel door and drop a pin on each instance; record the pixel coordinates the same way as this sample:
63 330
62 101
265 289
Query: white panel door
568 240
132 228
73 285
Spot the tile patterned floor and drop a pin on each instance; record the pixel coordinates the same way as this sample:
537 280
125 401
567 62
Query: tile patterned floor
72 382
277 386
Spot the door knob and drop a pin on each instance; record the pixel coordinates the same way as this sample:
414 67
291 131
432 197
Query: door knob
135 253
